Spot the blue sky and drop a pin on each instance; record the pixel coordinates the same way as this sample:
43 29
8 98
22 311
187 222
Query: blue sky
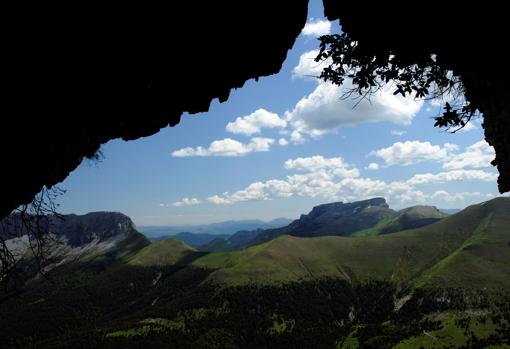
283 144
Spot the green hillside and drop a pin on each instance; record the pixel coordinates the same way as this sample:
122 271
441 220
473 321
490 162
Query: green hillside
451 249
469 248
408 218
439 286
484 258
161 252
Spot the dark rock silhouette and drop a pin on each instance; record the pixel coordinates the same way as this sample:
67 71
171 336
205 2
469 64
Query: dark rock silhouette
79 77
467 39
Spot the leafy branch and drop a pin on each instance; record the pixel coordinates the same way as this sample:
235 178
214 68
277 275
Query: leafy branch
369 70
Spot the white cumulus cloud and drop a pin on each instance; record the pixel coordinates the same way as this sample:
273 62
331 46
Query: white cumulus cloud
253 123
478 155
186 202
397 133
317 28
334 180
227 147
336 166
329 107
283 141
451 176
326 109
328 178
296 137
411 152
307 67
260 144
373 166
470 126
445 196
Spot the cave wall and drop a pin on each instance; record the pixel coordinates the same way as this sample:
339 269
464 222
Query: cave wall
81 75
468 38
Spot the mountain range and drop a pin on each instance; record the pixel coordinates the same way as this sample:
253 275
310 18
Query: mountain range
220 228
237 241
360 218
344 275
453 248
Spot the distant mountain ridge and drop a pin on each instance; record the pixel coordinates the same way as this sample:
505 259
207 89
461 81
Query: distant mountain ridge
220 228
448 279
335 218
360 218
450 210
237 241
115 232
476 237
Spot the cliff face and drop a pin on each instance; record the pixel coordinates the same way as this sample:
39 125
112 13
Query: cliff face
64 239
81 77
341 219
77 230
335 218
83 229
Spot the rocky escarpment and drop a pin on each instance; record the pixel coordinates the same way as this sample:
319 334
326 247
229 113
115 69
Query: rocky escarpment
101 226
34 244
334 219
74 230
341 218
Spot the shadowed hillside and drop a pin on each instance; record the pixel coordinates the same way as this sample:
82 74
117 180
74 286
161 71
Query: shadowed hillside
479 232
443 283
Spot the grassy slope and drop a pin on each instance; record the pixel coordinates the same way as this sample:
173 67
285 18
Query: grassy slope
484 258
220 245
402 220
470 248
162 252
481 232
